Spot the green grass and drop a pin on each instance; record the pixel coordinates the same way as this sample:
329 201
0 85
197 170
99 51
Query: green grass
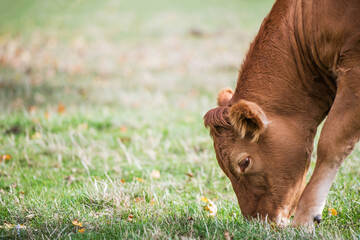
135 78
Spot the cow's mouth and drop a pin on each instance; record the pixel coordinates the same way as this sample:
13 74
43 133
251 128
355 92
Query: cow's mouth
282 221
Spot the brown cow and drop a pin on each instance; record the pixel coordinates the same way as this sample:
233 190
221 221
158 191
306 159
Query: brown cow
303 65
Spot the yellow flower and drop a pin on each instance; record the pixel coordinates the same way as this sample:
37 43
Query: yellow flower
333 211
210 206
5 157
140 180
77 223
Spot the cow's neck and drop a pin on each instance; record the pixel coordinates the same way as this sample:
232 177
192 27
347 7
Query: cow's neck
280 76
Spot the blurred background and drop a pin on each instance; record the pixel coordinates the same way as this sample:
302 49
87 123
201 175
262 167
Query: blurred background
102 104
133 54
142 73
97 89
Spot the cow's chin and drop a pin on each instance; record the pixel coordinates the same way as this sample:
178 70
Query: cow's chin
281 215
267 207
281 218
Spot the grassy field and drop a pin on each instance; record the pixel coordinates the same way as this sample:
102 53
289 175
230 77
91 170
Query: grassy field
101 132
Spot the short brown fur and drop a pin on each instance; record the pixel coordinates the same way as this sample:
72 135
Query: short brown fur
303 66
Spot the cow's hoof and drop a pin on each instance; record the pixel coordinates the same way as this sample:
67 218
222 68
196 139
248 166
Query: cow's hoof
317 219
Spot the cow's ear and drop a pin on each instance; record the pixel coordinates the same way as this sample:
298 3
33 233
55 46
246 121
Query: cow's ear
224 97
248 119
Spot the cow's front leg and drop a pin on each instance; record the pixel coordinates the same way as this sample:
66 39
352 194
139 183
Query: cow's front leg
340 133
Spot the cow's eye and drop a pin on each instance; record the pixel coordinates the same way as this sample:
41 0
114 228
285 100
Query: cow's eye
243 164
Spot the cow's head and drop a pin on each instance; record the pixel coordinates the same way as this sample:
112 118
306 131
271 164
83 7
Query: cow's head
263 155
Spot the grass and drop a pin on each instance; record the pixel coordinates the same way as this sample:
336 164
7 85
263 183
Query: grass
96 96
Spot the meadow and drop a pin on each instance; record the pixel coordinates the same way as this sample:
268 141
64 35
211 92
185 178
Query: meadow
101 131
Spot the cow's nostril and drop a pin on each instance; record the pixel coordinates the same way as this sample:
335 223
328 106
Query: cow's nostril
317 219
